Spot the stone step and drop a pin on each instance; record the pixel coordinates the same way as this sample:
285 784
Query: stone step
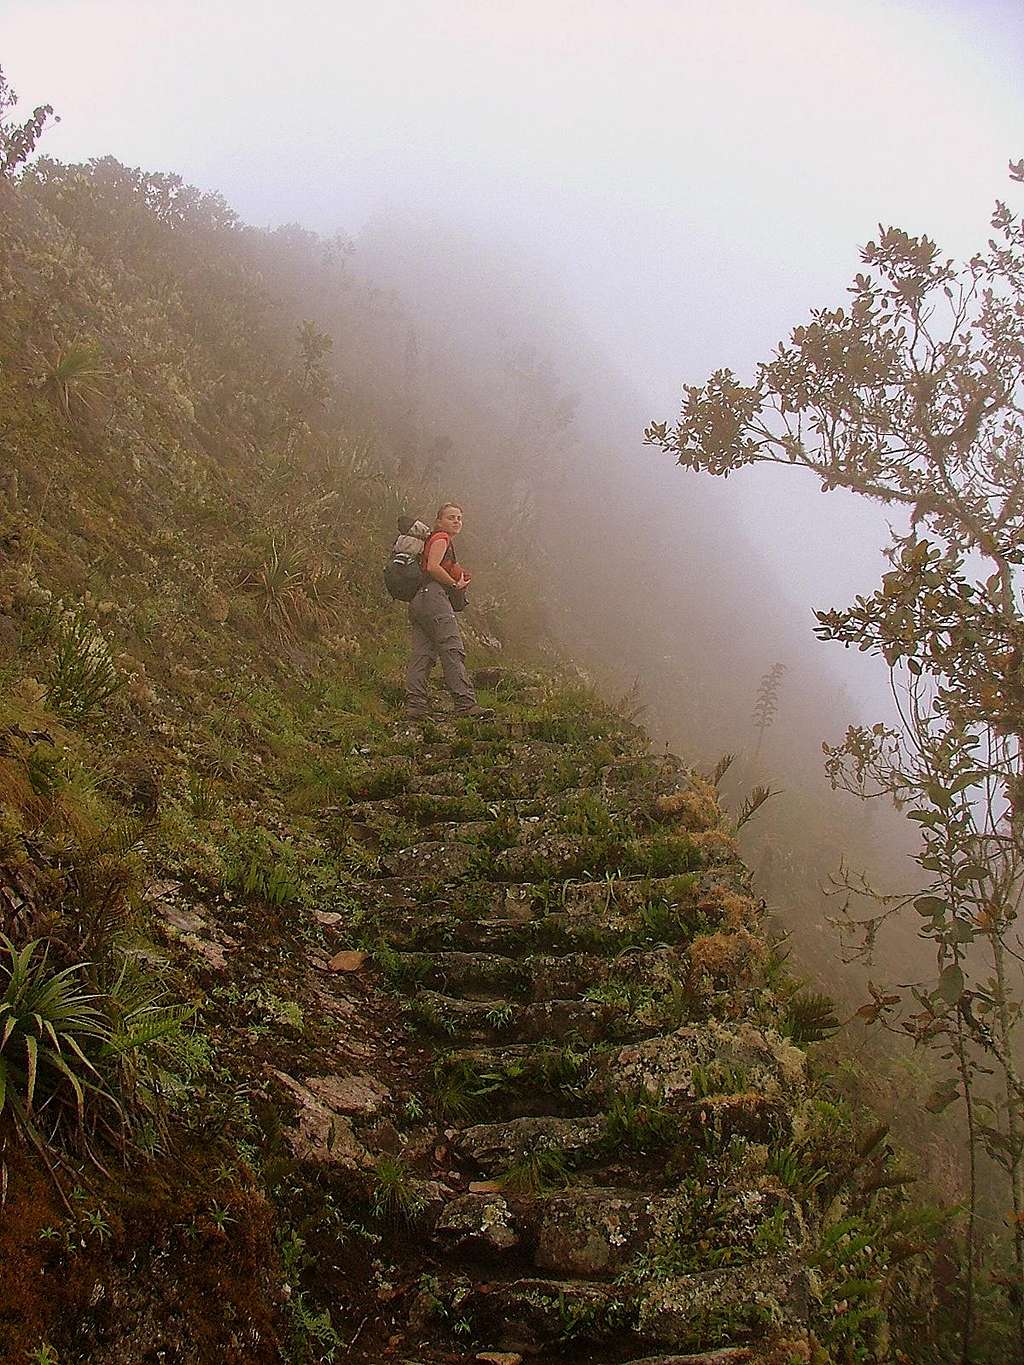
710 1309
426 808
728 1355
489 831
706 1313
495 1019
527 1315
613 898
503 831
469 974
584 1231
700 1059
556 857
508 769
557 728
515 769
434 860
545 856
730 1079
500 780
518 1080
495 1147
542 977
445 754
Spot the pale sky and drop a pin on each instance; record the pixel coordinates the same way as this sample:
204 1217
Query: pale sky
696 175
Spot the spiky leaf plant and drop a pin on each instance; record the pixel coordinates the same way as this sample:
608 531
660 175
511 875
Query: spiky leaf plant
52 1028
810 1017
284 583
396 1193
753 803
74 376
83 674
77 1059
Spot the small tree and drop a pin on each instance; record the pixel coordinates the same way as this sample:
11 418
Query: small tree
913 396
18 140
766 703
309 386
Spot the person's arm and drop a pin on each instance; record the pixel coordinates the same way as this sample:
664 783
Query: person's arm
434 568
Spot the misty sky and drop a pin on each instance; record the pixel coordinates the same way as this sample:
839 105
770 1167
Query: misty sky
695 175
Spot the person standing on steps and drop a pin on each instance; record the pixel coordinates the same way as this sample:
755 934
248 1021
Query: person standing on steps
435 631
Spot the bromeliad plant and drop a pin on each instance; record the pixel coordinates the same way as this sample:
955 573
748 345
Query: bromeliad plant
52 1029
77 1060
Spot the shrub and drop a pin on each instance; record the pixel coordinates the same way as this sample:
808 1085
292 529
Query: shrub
725 957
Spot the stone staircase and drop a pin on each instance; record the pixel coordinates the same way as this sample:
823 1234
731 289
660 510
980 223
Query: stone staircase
577 953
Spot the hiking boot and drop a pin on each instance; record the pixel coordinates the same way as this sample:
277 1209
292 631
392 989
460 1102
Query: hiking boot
476 712
417 713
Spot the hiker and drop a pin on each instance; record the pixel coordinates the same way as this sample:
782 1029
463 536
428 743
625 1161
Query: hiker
435 631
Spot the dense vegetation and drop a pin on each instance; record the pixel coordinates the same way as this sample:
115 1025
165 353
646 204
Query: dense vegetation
321 1035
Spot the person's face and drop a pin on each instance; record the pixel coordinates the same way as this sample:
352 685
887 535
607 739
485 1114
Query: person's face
450 520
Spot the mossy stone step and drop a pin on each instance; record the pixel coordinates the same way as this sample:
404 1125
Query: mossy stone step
517 722
456 754
530 771
431 860
486 833
426 808
500 781
706 1311
540 977
557 857
495 1147
510 824
588 1232
525 1315
529 900
591 1232
466 973
519 1080
490 1020
694 1061
554 857
537 763
557 727
713 1308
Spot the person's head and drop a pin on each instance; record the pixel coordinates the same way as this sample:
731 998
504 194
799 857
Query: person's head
449 518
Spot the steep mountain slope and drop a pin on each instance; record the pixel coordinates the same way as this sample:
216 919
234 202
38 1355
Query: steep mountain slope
331 1038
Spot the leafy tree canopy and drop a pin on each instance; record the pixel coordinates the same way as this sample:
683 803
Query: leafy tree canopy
18 140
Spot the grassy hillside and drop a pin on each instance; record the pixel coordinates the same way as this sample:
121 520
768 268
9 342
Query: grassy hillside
327 1037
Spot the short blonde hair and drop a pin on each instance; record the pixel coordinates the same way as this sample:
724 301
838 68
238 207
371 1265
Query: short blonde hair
444 508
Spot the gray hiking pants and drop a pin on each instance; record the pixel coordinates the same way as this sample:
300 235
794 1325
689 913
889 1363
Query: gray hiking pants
436 635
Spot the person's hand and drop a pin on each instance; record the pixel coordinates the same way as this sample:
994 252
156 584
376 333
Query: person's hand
462 582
